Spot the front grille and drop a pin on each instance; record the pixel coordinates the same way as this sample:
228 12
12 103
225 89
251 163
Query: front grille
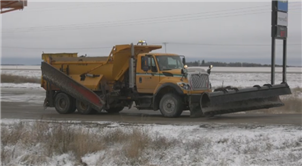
199 81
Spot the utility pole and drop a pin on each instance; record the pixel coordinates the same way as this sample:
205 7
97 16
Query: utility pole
165 43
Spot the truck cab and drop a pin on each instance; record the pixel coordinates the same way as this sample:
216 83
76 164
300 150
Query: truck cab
165 78
155 70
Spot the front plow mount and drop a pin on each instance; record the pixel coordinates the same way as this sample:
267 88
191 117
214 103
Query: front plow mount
230 100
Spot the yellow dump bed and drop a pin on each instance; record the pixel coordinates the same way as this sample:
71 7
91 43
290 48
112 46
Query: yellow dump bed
110 68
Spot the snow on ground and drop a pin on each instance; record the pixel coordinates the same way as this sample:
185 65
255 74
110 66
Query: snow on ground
251 79
20 67
234 79
227 76
26 97
21 85
204 144
22 94
25 72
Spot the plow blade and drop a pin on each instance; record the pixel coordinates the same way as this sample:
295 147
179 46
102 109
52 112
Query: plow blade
70 86
230 100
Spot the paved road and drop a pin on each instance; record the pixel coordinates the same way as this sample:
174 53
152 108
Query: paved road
19 110
28 105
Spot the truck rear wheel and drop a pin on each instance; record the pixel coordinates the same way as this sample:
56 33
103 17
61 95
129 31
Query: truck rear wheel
171 105
114 110
64 104
84 108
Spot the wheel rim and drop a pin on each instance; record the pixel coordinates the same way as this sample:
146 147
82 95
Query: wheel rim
169 106
62 103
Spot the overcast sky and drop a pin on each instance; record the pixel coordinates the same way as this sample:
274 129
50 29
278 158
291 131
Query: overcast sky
220 31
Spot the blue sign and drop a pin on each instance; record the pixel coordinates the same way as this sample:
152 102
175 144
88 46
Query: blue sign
283 5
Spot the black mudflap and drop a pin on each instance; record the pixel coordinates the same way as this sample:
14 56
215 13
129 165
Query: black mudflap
70 86
230 100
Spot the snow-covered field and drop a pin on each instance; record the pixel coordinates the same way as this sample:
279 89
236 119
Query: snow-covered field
226 76
204 144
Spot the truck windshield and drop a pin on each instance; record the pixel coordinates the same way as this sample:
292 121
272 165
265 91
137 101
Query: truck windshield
169 62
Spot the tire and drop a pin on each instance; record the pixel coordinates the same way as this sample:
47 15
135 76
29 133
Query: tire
114 110
171 105
64 104
84 108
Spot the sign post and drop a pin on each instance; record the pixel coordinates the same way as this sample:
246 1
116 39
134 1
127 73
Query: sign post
279 31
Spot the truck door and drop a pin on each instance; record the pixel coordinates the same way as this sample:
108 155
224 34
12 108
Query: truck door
146 81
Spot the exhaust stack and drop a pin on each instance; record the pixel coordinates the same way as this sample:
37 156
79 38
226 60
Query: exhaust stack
131 69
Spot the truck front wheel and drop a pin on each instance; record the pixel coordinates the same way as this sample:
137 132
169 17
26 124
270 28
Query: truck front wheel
64 104
171 105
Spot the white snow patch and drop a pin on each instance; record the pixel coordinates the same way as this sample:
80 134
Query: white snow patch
11 121
62 160
21 85
35 95
25 72
94 158
22 98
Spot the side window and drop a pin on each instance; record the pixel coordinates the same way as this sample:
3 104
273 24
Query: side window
142 62
150 62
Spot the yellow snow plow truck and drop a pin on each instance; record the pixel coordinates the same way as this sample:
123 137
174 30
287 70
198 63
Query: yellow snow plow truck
132 74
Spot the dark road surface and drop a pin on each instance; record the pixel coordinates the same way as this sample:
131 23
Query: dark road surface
26 103
21 110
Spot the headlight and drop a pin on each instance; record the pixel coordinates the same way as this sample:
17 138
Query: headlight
184 85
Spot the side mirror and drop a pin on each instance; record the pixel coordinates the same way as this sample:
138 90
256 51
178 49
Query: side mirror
184 61
209 69
145 63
